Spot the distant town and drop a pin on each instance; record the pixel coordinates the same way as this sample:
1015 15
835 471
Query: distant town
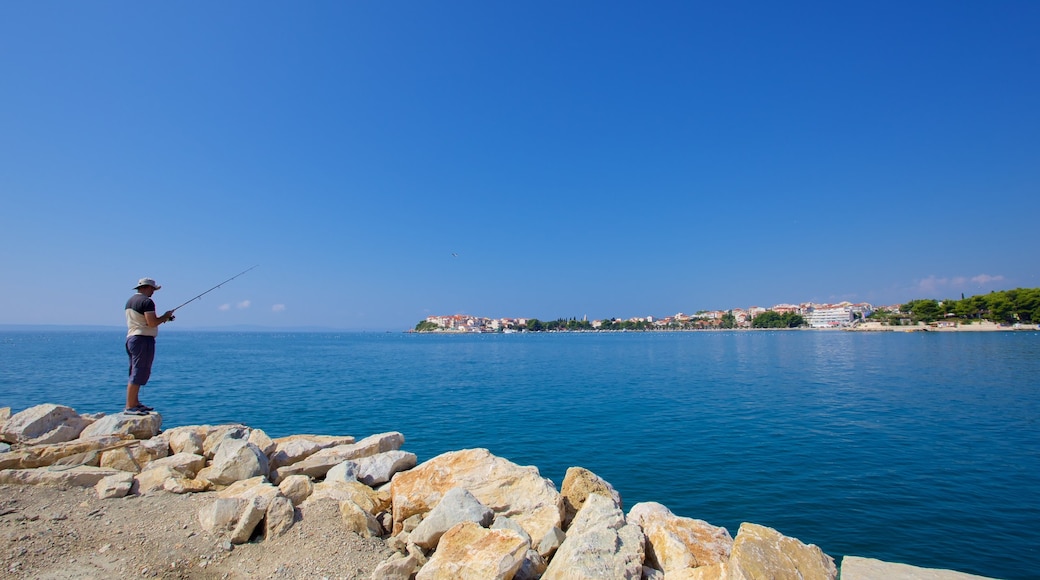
1013 308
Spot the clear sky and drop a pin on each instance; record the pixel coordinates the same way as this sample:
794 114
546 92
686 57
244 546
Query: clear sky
385 161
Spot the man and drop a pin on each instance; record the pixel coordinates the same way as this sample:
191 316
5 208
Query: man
142 328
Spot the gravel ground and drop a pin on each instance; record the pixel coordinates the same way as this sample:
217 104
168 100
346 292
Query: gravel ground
50 533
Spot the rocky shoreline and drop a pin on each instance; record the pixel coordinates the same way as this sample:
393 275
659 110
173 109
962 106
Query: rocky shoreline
227 501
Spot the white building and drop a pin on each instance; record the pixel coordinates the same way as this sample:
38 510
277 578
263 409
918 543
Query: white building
829 317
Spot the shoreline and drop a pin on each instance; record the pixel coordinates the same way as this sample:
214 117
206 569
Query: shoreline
209 501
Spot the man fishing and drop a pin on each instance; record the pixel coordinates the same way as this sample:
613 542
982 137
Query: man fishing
142 328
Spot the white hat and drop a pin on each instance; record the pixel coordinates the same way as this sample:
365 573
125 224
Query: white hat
147 282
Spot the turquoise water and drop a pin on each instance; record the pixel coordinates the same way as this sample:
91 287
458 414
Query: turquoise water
921 448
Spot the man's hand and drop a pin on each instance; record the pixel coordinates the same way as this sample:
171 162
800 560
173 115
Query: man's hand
168 316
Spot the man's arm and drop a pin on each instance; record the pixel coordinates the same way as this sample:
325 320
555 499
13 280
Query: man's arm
154 320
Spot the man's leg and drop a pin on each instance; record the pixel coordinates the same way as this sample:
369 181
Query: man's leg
132 391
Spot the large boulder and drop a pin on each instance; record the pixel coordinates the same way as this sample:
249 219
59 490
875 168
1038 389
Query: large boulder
235 460
82 476
600 544
508 489
381 467
675 543
76 452
294 448
319 463
761 552
856 568
46 423
578 483
457 506
470 552
134 458
139 426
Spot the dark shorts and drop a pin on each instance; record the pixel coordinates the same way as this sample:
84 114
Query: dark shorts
141 350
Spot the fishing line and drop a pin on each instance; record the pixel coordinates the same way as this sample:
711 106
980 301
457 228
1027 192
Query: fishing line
214 288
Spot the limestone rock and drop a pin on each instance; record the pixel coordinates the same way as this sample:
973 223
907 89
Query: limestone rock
856 568
71 453
371 500
675 543
578 483
134 458
533 567
280 517
82 476
346 471
294 448
185 440
380 468
254 488
114 486
46 423
396 567
508 489
297 488
358 520
5 447
213 436
139 426
153 479
262 441
469 551
761 552
551 542
457 506
235 460
320 462
599 544
183 485
184 464
235 518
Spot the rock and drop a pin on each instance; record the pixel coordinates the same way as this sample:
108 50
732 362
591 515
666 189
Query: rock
294 448
358 520
213 436
599 544
396 567
578 483
186 440
319 463
184 485
380 468
235 460
856 568
533 567
675 543
114 486
139 426
184 464
508 489
235 518
262 441
153 479
77 452
551 542
82 476
254 488
371 500
134 458
46 423
507 523
761 552
457 506
469 551
346 471
281 515
297 488
5 447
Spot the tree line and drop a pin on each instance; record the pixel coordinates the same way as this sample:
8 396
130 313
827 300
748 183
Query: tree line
1004 306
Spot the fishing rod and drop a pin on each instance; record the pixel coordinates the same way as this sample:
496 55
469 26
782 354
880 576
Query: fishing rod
214 288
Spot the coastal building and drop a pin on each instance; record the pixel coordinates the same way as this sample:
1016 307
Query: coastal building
829 316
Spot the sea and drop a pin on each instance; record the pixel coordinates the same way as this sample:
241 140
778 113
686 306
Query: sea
921 448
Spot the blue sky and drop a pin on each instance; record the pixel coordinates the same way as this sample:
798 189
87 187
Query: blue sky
385 161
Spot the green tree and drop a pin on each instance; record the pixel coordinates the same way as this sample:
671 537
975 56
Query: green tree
534 325
426 326
728 320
